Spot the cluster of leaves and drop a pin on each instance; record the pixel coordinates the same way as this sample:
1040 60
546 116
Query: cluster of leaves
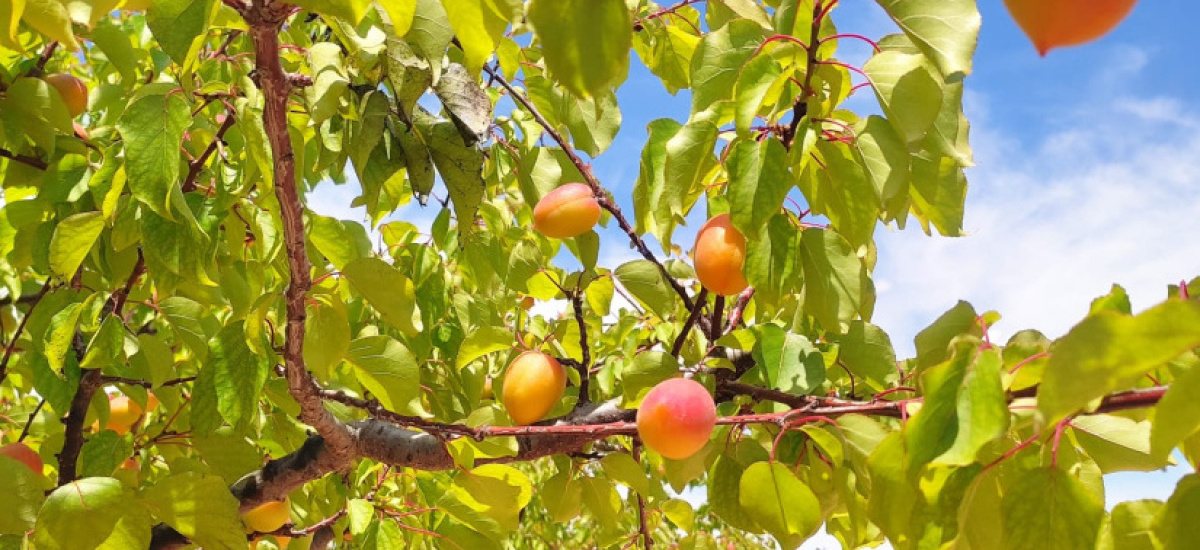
147 254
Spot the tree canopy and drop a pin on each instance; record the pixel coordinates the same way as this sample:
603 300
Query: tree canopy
185 340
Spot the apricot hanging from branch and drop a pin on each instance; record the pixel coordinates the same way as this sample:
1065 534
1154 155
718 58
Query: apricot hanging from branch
568 211
1054 23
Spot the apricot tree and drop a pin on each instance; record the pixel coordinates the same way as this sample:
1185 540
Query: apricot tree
194 353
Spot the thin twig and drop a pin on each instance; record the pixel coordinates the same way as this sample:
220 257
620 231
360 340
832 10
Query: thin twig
601 196
12 344
701 299
24 159
32 416
647 541
584 366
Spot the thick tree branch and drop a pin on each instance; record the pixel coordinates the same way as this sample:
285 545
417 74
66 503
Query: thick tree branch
265 18
583 367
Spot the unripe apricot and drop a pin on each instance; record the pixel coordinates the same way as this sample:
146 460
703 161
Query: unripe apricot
22 453
566 212
676 418
73 91
268 517
533 385
719 253
1054 23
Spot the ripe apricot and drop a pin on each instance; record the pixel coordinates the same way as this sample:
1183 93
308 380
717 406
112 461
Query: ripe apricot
123 412
719 253
676 418
268 517
1054 23
21 452
533 385
73 91
566 212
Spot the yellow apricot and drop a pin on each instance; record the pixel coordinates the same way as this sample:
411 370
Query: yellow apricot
719 253
23 454
1054 23
676 418
568 211
268 517
533 385
73 91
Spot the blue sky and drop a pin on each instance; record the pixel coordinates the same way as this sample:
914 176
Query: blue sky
1088 174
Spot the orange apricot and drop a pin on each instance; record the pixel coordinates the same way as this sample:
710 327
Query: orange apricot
1054 23
533 385
719 253
73 91
676 418
267 517
123 412
568 211
23 454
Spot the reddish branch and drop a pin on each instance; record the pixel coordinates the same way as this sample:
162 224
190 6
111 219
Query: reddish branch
265 19
639 22
12 344
601 195
800 107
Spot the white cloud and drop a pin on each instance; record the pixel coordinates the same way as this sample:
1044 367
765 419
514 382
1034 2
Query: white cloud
1111 198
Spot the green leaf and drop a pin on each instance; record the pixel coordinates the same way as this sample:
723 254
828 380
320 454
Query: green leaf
909 92
938 191
645 371
479 25
790 361
179 25
326 334
885 162
562 497
1176 526
601 499
644 280
982 409
837 287
623 468
773 265
670 55
780 503
461 168
1177 414
1116 443
585 42
388 291
1108 352
760 82
467 103
689 158
60 333
482 341
408 73
152 126
341 242
649 207
200 507
1048 509
946 31
759 179
73 239
88 509
37 110
49 17
1131 526
330 81
718 60
724 484
845 195
102 453
23 496
866 350
387 369
430 33
113 41
933 342
238 373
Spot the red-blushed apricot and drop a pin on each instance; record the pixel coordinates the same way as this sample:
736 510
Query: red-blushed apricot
22 453
73 91
533 385
676 418
268 517
566 212
719 253
1054 23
